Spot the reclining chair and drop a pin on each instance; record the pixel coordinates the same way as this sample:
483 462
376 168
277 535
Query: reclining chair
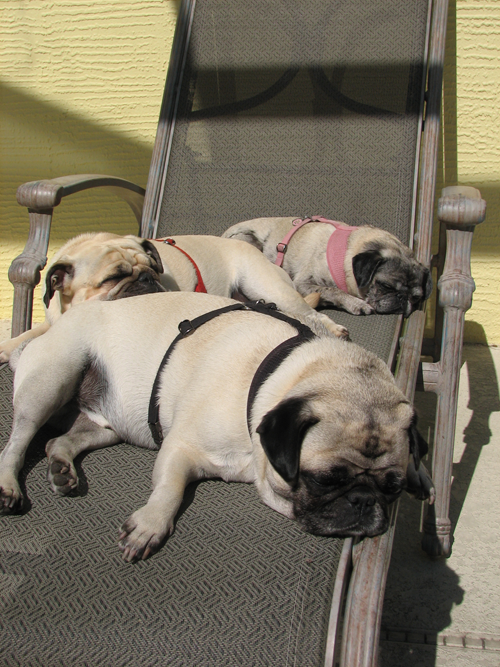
270 109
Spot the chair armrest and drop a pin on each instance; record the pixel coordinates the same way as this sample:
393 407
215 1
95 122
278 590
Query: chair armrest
42 195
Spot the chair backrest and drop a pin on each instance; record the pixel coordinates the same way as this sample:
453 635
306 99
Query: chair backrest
294 107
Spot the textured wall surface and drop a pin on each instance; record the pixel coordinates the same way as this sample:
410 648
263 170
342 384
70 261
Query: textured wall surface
81 85
472 145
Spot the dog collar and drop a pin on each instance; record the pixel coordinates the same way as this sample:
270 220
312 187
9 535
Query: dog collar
265 369
335 249
200 285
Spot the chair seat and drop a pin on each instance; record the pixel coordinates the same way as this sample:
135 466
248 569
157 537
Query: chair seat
68 598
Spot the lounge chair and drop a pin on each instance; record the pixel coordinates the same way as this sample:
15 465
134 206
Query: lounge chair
270 109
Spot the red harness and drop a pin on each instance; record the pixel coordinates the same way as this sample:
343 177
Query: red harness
200 285
335 249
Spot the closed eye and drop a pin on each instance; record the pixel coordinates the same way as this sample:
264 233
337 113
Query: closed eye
334 479
392 484
114 278
385 286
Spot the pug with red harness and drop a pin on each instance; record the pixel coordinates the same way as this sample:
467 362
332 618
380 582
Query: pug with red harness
107 267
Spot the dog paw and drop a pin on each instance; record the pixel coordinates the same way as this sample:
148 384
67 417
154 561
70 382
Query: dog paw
142 535
11 499
363 308
420 484
62 476
340 331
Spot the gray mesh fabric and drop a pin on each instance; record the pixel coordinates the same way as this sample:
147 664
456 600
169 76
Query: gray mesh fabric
295 108
236 584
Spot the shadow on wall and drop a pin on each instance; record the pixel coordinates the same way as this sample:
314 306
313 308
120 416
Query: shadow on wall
44 141
48 142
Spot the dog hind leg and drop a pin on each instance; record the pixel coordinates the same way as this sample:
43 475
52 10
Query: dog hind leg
41 389
83 435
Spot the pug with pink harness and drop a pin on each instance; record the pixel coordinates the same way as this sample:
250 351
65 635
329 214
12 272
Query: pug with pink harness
362 270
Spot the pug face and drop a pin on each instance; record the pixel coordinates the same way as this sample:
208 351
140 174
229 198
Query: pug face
103 266
391 284
342 470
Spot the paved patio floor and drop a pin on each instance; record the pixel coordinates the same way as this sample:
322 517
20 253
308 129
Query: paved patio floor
453 604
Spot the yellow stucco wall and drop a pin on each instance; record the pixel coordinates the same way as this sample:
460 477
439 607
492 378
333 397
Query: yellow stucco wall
81 86
471 146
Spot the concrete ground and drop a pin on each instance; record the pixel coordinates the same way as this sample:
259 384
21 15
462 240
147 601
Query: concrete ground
446 613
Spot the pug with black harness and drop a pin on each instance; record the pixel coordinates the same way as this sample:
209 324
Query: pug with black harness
362 270
220 389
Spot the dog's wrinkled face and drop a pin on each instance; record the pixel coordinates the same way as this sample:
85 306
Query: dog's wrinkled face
394 284
103 266
342 470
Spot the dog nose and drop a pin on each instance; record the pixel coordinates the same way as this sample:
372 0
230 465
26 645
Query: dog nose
361 497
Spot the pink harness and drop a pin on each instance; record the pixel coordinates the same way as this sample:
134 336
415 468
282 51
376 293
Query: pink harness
335 249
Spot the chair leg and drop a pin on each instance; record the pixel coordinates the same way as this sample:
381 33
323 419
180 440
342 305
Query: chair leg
437 539
460 208
456 287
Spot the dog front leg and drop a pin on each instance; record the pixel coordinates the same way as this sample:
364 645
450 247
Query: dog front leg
333 296
8 346
144 532
83 435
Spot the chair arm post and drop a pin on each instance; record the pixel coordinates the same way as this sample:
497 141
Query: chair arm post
460 209
24 272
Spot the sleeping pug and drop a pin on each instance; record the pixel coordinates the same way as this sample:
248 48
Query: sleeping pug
108 266
362 270
249 395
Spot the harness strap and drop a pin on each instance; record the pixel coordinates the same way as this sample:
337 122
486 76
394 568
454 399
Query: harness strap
200 285
335 250
268 366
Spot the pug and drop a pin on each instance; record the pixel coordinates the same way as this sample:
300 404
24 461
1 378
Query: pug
93 266
316 423
107 266
367 270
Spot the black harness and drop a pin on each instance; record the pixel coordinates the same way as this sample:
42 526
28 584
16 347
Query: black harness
265 369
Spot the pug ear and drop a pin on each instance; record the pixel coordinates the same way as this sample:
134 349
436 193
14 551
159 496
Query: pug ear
427 281
54 280
282 431
365 265
152 252
249 237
